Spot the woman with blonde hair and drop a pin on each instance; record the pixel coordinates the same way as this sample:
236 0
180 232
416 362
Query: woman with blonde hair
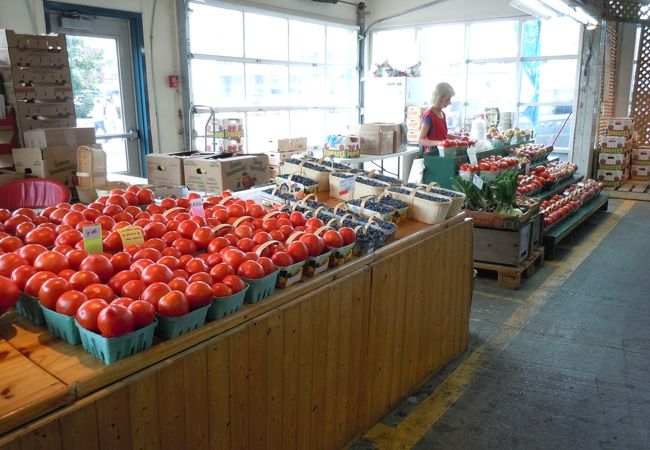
434 122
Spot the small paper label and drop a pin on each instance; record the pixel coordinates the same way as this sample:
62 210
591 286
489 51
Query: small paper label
346 186
471 153
196 205
526 168
478 181
92 237
131 235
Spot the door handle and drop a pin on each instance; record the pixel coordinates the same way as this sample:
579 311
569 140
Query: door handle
131 135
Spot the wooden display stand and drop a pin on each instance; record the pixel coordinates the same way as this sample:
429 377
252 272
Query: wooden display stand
314 365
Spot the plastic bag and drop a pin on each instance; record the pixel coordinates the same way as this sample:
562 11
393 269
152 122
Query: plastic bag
417 171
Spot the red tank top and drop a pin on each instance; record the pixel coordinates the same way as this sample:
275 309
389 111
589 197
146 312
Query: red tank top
438 126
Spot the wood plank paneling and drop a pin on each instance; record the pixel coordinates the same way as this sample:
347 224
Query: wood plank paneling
143 399
114 421
219 393
290 382
79 429
196 408
319 368
257 383
239 401
274 376
171 406
306 374
45 437
333 346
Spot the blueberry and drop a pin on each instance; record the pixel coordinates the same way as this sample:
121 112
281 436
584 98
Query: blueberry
386 179
399 190
432 198
445 192
298 179
342 175
370 182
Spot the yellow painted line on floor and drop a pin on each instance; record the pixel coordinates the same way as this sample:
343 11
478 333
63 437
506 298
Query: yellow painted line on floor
429 411
498 297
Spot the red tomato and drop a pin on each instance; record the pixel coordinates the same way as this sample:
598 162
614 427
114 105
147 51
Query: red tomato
267 264
314 223
155 273
270 224
154 292
121 261
196 265
158 218
235 283
21 274
348 235
98 290
10 243
213 259
69 302
246 244
51 290
178 284
115 320
282 259
170 236
184 259
9 293
75 257
198 294
125 301
30 252
5 213
233 257
185 246
202 237
99 264
106 222
88 312
117 200
202 276
173 304
171 251
298 251
170 261
255 210
139 265
131 198
72 218
133 289
315 244
154 230
333 239
148 253
155 243
23 229
117 281
12 223
217 244
46 237
112 242
250 269
70 237
221 270
52 261
67 273
143 312
234 210
132 249
145 196
221 290
187 228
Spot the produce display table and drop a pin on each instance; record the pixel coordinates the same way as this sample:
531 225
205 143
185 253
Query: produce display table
553 236
313 365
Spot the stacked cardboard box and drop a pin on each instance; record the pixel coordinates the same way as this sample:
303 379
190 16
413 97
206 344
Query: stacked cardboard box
378 138
615 149
216 173
166 169
36 80
285 149
640 170
413 122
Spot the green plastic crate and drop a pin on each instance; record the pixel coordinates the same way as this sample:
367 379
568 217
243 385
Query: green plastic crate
170 327
30 307
262 288
61 326
223 306
109 350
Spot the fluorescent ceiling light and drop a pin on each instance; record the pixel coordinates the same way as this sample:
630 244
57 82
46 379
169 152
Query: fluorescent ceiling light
582 16
575 12
534 8
559 6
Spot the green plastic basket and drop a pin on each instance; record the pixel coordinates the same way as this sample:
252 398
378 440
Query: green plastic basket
109 350
170 327
62 326
290 275
30 307
262 288
223 306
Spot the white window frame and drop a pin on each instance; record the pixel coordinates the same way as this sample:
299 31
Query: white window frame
244 109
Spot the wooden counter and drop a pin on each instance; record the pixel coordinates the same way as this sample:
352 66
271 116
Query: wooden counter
314 365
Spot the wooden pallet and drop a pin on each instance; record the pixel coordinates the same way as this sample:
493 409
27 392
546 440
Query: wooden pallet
509 277
631 190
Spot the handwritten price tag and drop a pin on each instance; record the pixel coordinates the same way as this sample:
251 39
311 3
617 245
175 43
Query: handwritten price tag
346 186
478 181
471 153
131 235
92 237
196 204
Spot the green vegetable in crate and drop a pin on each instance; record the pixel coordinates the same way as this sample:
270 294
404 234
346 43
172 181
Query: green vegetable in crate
475 199
504 189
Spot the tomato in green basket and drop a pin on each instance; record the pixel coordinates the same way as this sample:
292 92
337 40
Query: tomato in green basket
173 304
198 294
115 320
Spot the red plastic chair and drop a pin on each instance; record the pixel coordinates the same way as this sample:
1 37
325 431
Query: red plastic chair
33 193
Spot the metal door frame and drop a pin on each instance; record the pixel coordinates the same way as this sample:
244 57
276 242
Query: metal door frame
139 66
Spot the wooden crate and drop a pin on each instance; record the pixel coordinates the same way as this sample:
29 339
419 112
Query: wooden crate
502 246
536 232
509 277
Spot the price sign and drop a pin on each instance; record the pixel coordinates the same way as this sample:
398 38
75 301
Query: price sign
196 205
478 181
131 235
346 186
92 237
471 152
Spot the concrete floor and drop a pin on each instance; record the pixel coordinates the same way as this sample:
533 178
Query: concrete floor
562 363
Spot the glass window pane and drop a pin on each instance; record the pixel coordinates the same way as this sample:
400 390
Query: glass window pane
309 123
398 47
342 87
267 84
453 50
264 128
307 85
433 74
266 37
216 31
338 120
116 156
492 85
547 121
560 36
217 83
306 42
341 46
493 39
548 81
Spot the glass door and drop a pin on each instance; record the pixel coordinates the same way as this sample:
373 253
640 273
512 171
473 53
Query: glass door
101 66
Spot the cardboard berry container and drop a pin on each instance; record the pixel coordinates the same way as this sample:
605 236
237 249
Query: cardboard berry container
315 265
110 350
224 306
341 255
290 275
61 326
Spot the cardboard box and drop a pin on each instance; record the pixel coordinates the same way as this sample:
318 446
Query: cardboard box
414 112
27 57
55 110
293 144
57 137
641 154
612 175
378 138
91 166
412 135
35 75
11 39
613 142
620 126
276 158
29 123
216 174
166 169
274 171
7 176
613 161
58 163
640 171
